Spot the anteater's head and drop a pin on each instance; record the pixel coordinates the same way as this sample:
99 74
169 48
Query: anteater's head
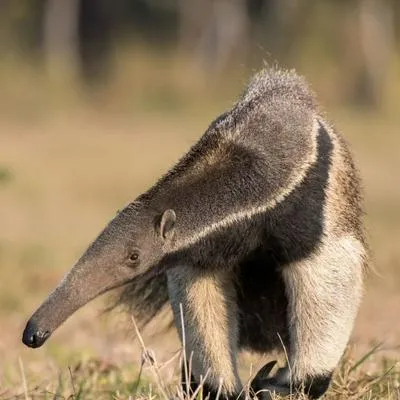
133 243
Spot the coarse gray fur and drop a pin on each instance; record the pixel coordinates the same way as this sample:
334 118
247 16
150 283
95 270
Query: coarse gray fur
256 232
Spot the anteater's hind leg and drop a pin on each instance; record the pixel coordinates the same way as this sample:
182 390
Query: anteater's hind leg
210 326
323 293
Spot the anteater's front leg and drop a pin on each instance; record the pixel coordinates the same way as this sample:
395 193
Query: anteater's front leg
209 308
323 293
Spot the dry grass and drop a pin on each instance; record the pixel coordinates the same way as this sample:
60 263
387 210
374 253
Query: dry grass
96 379
63 174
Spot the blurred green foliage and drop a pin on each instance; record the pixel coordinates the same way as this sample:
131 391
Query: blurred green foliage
5 175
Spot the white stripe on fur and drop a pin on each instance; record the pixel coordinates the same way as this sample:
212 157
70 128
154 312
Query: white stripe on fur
298 176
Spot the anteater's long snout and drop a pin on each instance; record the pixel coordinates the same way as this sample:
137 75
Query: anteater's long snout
85 281
63 302
102 267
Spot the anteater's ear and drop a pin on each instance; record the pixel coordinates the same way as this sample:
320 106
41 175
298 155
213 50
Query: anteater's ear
167 224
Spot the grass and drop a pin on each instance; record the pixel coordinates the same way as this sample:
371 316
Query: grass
67 167
5 175
90 379
97 379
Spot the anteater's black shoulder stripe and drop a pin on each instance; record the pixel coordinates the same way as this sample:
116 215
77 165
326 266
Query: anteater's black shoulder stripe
301 215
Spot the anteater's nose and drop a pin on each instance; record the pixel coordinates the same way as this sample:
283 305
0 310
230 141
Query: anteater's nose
32 336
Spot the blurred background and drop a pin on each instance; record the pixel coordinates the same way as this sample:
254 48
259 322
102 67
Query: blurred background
98 98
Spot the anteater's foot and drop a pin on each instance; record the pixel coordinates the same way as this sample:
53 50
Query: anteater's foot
265 386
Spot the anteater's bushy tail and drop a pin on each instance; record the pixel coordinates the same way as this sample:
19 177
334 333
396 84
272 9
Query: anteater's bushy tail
144 298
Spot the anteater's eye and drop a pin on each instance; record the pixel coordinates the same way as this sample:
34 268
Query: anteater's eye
134 257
